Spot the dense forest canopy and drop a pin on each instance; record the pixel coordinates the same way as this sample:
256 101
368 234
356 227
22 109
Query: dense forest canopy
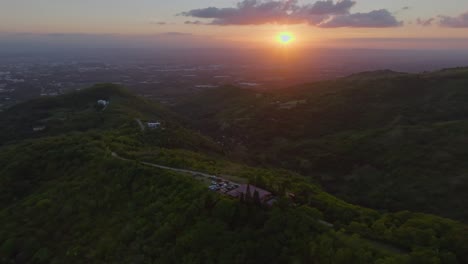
387 140
66 198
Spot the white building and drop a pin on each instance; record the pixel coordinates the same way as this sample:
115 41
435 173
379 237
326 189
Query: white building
102 102
39 128
154 125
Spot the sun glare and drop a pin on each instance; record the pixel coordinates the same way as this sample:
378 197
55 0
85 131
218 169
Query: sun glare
285 38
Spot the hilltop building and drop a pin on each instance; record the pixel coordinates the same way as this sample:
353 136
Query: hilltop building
154 125
102 103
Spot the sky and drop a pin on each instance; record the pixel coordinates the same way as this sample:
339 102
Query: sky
245 22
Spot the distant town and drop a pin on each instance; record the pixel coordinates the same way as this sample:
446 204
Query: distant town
166 78
20 81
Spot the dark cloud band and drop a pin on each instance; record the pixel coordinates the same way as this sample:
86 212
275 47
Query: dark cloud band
325 13
460 21
376 19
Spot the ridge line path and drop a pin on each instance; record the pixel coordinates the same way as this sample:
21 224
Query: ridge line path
115 155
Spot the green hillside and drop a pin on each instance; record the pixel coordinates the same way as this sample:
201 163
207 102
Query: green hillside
387 140
76 204
80 112
66 197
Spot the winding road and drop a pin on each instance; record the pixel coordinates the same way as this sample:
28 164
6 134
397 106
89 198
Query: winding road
377 244
192 172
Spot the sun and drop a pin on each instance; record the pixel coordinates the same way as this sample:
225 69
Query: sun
285 38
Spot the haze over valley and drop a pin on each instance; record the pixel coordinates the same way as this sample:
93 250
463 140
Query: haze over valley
249 131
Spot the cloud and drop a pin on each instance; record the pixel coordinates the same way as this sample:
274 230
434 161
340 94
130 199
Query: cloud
460 21
425 22
374 19
326 13
247 12
159 23
197 22
175 34
329 7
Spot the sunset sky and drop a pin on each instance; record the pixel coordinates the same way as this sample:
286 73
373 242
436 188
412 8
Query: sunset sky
247 21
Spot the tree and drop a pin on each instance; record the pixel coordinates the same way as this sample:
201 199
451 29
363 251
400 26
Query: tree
248 195
256 198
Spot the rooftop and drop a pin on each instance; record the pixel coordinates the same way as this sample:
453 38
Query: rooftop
242 189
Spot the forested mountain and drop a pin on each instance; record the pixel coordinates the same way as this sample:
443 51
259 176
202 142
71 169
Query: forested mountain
80 112
76 191
387 140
